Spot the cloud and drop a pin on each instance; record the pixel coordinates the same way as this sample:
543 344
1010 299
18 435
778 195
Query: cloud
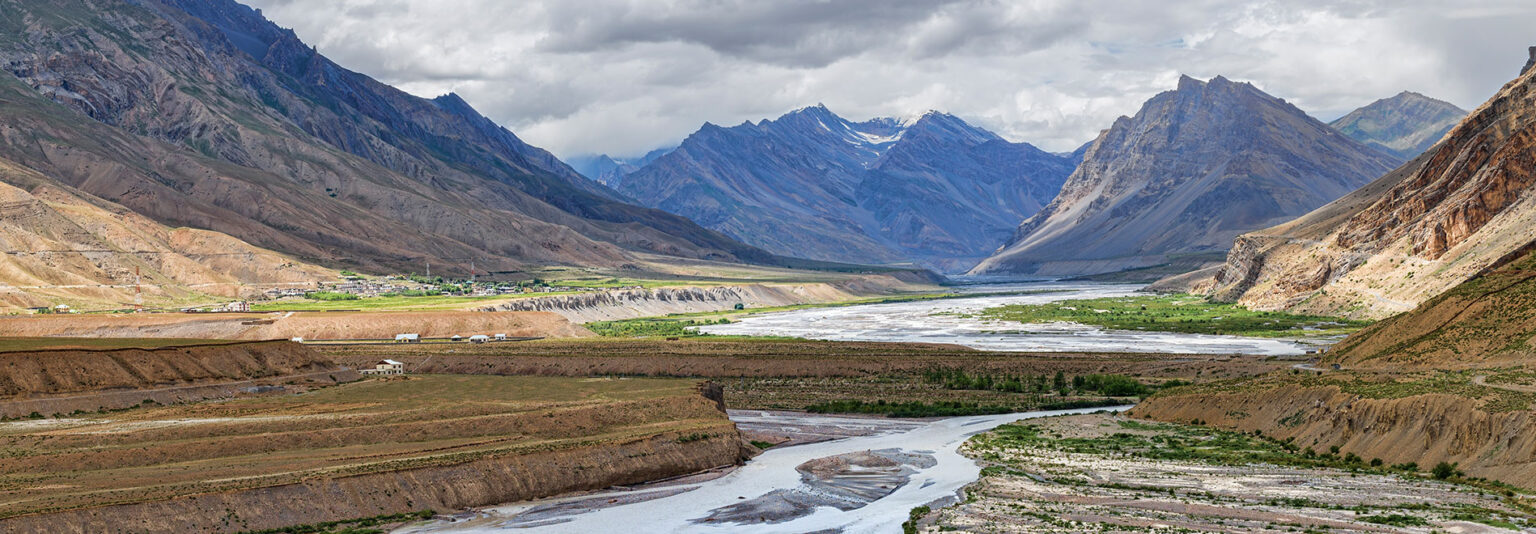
624 76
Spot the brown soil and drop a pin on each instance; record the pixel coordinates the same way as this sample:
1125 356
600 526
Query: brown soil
707 358
310 325
65 380
363 449
1425 429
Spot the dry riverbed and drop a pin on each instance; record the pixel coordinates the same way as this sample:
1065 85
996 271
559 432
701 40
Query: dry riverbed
1107 473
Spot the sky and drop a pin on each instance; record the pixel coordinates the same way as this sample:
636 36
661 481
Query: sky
622 77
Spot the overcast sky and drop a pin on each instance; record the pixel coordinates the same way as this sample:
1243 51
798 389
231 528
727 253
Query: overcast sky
625 76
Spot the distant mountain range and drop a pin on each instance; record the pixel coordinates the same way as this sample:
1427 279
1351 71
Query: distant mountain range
933 189
1193 169
1405 125
609 171
202 114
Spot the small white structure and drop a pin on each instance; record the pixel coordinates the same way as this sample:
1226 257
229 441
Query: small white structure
479 338
501 337
238 307
456 337
385 367
297 340
62 308
407 338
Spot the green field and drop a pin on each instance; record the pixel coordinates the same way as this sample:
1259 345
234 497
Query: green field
1175 313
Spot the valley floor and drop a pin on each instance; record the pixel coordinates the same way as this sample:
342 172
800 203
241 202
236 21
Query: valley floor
1109 473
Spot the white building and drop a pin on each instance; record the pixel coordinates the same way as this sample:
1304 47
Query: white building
479 338
386 367
407 338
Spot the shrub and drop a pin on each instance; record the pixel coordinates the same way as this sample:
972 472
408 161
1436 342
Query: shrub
1444 470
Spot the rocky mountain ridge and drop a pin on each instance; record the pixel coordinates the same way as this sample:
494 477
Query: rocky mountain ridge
203 114
1439 220
1404 125
933 189
1193 169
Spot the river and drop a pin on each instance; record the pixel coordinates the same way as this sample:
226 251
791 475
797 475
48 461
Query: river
867 473
894 466
944 321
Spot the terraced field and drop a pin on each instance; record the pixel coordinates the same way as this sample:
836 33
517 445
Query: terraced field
375 426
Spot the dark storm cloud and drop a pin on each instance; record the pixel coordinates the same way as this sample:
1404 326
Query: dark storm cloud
624 76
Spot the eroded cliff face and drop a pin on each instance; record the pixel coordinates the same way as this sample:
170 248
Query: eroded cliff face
1416 232
1425 429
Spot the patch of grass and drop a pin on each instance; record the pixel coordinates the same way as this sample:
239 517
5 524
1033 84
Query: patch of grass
651 327
1174 313
951 408
349 526
908 409
1396 520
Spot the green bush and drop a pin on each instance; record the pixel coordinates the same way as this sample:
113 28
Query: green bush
1444 470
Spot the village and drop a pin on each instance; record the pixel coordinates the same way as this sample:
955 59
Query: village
356 288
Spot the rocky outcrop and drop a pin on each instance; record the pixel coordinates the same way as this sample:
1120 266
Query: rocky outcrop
1425 429
481 482
1405 125
1435 222
1193 169
812 184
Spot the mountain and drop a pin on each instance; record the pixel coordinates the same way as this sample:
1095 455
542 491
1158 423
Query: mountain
1193 169
1405 125
1463 206
934 189
67 247
201 113
609 171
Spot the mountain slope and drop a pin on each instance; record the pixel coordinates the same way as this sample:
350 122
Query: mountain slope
1405 125
207 115
1439 220
1194 168
66 247
812 184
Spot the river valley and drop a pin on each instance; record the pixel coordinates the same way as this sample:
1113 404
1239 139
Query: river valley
949 321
